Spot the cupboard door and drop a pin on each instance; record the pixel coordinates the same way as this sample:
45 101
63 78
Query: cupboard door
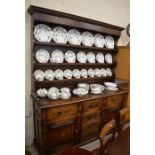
64 133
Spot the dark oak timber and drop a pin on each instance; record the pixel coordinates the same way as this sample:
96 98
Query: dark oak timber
62 123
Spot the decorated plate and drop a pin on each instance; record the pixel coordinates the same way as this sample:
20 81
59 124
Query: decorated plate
74 37
103 72
97 72
49 74
81 57
76 73
43 33
99 40
84 73
42 56
60 35
91 57
100 58
68 74
108 72
70 56
91 72
59 74
108 58
109 42
57 56
87 38
39 75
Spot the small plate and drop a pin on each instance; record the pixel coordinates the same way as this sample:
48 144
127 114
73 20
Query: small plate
109 42
58 74
99 40
108 72
60 35
43 33
39 75
84 73
81 57
110 84
108 58
103 72
70 56
68 74
97 72
42 56
74 37
87 38
49 74
100 58
111 88
76 73
91 72
91 57
57 56
42 92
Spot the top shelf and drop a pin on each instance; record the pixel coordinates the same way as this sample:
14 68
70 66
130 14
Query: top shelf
74 46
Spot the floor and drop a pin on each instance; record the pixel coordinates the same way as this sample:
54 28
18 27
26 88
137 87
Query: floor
33 151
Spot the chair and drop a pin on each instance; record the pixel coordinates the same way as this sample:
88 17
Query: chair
74 151
106 135
123 118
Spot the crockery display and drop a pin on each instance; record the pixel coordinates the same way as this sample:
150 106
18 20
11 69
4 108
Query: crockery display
76 73
57 56
42 56
68 74
100 58
70 56
39 75
42 92
109 42
49 74
108 72
99 40
81 57
108 58
74 37
60 35
84 73
91 57
58 74
87 38
43 33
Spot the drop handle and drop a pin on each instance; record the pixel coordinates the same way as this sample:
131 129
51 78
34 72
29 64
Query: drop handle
76 131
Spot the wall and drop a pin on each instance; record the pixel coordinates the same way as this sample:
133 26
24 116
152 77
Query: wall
103 10
123 67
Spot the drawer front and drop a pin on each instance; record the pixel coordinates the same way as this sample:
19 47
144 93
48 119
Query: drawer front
114 101
89 135
61 113
91 117
89 126
95 104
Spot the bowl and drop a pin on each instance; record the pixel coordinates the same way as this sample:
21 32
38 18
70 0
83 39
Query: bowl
80 92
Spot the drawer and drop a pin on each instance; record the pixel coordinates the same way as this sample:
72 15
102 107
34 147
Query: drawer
91 117
61 113
89 126
114 101
95 104
89 135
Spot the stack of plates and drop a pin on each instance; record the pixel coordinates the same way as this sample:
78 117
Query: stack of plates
110 86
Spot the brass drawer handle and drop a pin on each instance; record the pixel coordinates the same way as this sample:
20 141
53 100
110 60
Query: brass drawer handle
93 106
63 111
91 116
